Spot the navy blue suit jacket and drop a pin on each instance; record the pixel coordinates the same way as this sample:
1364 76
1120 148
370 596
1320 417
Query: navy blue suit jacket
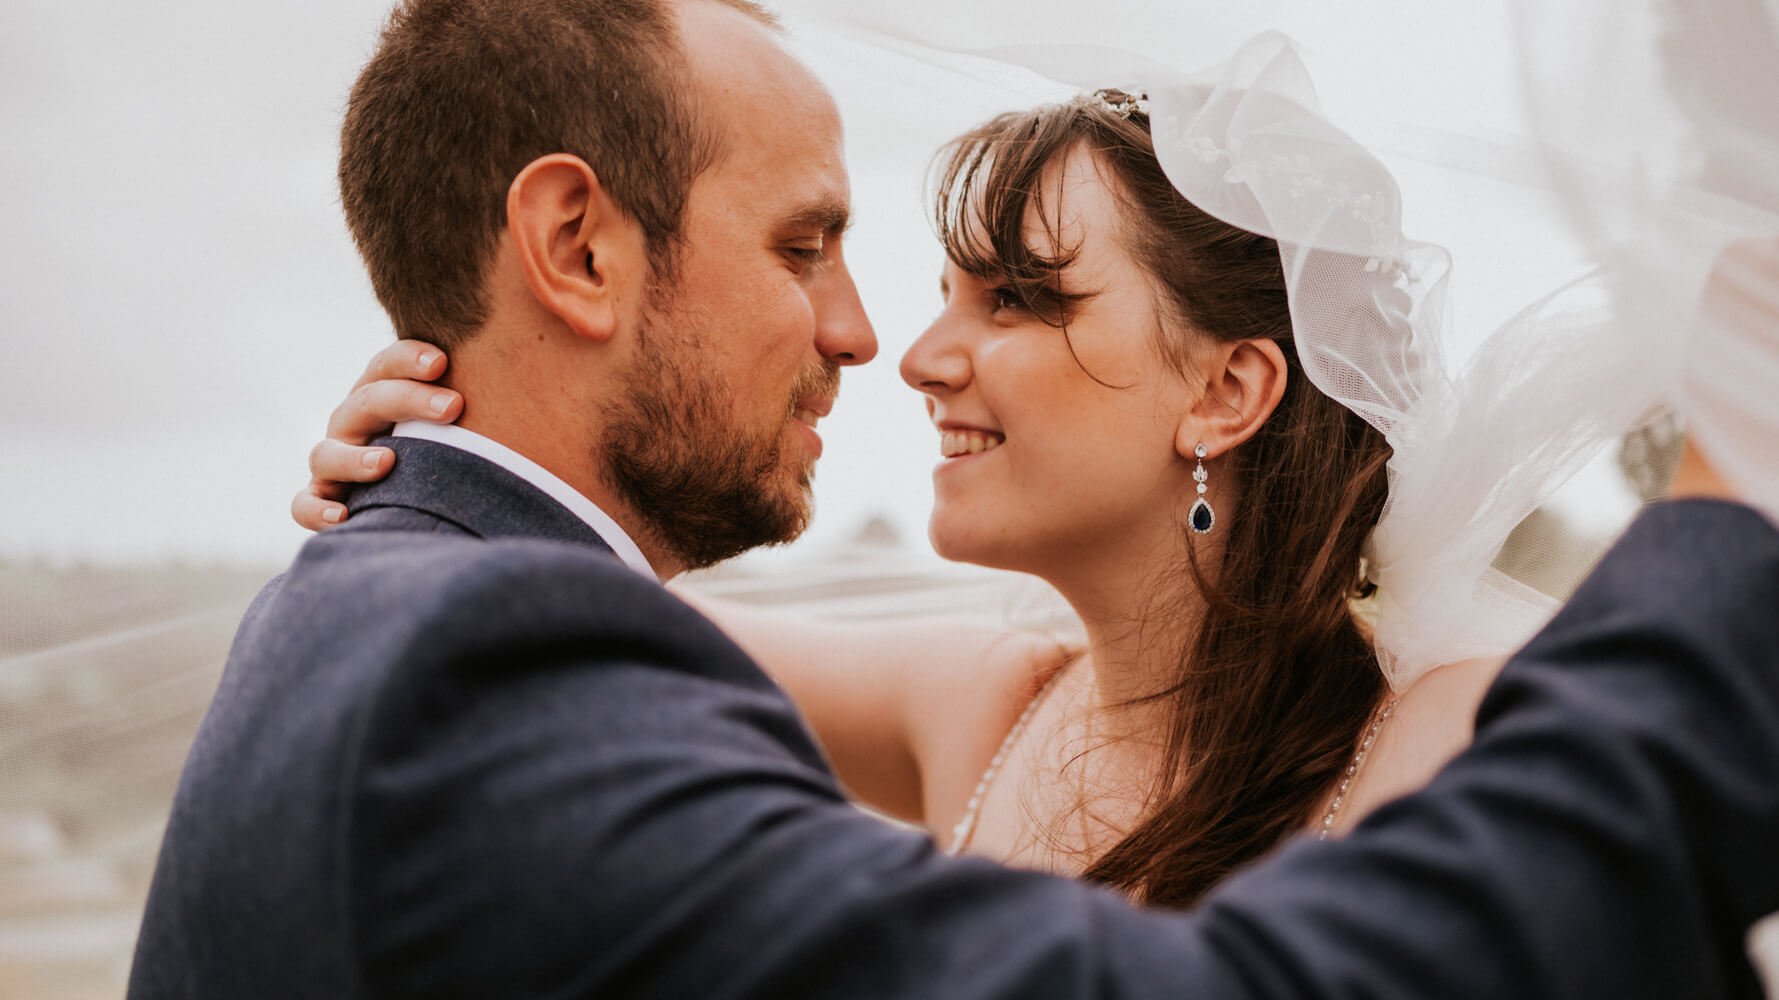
461 751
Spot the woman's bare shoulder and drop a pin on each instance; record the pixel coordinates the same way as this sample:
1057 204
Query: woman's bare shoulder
1433 721
966 705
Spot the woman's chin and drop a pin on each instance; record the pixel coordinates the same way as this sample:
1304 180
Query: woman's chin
944 545
964 543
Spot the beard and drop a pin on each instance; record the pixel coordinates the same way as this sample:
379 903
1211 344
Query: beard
705 488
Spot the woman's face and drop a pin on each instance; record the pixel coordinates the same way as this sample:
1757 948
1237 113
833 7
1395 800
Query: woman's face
1050 458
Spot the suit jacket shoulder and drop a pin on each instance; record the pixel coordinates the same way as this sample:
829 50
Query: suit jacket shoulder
395 692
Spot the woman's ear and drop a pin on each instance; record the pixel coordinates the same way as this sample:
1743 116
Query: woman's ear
1244 381
580 254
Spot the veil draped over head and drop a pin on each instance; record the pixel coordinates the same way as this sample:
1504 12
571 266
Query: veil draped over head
1665 149
1486 424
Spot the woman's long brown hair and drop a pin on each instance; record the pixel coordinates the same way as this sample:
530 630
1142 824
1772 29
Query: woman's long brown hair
1275 686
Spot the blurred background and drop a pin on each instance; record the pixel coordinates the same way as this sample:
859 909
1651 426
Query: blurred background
181 307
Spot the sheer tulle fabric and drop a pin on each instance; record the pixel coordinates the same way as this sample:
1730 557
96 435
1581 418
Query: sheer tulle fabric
1475 449
1487 424
1665 148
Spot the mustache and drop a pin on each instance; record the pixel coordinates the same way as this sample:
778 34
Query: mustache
822 380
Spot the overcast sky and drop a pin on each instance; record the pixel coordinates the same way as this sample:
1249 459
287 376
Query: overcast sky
181 305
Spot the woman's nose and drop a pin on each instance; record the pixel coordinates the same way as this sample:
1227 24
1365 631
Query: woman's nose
936 361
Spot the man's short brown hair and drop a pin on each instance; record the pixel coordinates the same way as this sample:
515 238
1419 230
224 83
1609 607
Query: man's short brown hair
462 94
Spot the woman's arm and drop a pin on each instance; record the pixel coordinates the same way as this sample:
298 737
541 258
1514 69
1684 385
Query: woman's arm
908 710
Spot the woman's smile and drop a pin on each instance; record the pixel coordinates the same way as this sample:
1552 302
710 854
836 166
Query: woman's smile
961 442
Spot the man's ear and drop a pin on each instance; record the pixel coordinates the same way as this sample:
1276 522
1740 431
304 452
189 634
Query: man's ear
581 255
1244 381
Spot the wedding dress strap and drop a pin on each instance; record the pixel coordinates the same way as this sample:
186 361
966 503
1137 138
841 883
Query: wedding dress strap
966 827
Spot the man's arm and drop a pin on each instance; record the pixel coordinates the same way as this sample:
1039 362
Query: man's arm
1610 833
637 814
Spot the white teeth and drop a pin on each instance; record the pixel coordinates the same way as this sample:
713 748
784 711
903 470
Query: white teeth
807 416
953 444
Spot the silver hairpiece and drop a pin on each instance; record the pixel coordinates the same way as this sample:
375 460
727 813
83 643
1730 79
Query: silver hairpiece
1119 102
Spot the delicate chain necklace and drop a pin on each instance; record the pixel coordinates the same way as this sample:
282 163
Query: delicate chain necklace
1346 780
960 834
966 826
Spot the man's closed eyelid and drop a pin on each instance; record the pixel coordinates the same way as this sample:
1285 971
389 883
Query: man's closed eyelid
806 260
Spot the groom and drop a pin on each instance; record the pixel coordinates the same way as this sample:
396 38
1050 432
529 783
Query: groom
467 746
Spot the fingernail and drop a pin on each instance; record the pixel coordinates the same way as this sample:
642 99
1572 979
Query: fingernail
427 359
441 403
332 515
372 459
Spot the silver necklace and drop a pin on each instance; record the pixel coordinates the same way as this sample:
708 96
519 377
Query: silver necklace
1358 761
961 833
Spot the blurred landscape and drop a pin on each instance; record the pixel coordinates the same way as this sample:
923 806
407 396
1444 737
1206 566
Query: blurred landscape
105 675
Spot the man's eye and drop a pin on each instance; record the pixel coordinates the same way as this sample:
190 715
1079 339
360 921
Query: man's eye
806 256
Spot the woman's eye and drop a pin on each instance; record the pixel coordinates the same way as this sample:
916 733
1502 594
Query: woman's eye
1005 298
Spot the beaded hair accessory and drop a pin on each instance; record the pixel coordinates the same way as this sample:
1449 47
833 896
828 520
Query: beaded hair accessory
1119 102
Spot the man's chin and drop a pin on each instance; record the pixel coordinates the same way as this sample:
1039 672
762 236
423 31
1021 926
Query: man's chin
797 462
798 504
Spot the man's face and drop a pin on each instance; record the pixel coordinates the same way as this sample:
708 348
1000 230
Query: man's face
740 353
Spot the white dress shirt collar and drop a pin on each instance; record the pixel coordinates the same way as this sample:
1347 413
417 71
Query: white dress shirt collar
467 440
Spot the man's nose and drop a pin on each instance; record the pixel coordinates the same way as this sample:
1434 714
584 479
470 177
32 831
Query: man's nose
843 332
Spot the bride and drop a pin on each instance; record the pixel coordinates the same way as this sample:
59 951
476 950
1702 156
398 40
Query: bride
1123 410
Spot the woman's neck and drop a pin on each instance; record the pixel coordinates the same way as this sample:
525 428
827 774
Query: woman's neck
1131 663
1140 608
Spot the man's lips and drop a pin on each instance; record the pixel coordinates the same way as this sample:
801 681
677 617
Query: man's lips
813 409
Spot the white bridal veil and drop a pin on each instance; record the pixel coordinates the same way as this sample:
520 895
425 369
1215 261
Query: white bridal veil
1665 148
1486 423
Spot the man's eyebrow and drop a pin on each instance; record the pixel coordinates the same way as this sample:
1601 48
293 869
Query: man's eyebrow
829 217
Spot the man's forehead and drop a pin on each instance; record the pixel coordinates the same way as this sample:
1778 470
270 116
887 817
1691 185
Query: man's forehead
778 129
739 64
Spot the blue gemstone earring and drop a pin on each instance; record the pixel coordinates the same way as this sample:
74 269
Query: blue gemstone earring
1201 517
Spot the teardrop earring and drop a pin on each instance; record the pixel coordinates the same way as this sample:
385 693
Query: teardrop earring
1202 518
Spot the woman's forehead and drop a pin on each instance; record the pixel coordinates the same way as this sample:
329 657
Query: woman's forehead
1070 212
1077 207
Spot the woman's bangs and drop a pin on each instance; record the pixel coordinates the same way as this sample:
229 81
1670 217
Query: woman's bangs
990 184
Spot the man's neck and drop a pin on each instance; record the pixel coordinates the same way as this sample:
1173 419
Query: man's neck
550 421
554 449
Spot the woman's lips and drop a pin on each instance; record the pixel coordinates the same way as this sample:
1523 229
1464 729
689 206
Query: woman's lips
958 442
